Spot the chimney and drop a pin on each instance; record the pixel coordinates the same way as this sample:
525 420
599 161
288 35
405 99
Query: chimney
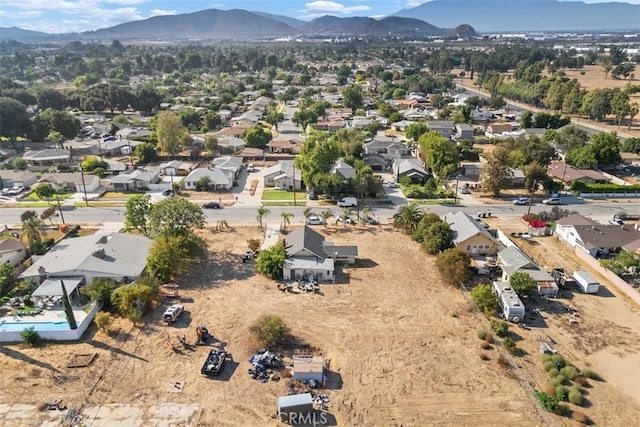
43 274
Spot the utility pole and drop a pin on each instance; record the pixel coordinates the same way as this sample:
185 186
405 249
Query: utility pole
533 187
84 186
60 209
294 184
455 197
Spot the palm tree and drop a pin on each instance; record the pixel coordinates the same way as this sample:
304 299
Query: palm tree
366 211
408 218
262 212
286 219
325 215
346 213
307 212
32 227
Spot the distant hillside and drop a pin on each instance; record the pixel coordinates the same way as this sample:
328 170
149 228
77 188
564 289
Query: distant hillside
360 25
292 22
527 15
462 31
14 33
210 23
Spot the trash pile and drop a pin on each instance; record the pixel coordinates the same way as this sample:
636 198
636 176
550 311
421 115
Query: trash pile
320 401
263 363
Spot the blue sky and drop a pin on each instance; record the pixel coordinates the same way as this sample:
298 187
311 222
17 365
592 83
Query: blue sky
62 16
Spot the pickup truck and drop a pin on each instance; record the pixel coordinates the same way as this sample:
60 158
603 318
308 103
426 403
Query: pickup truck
214 363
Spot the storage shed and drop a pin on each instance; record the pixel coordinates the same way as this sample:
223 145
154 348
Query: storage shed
307 368
294 407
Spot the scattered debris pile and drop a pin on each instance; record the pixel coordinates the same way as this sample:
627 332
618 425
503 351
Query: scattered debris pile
264 364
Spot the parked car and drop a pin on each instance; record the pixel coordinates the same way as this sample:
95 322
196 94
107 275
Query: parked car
552 201
465 190
211 205
167 193
372 221
251 167
313 195
392 184
521 201
5 191
16 190
616 221
314 220
109 138
347 220
172 313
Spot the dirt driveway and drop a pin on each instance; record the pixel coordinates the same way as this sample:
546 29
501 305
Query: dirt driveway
402 347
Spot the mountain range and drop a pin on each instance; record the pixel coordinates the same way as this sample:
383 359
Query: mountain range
483 15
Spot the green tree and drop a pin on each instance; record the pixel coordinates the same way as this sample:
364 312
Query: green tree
304 118
103 321
133 299
171 132
271 261
136 216
352 97
437 238
45 191
19 164
15 119
408 218
32 228
582 157
631 145
274 117
48 214
325 215
485 299
523 284
416 130
146 152
55 137
307 212
175 216
606 147
455 266
496 174
211 144
7 278
100 290
440 154
270 331
286 219
262 212
569 137
257 137
168 258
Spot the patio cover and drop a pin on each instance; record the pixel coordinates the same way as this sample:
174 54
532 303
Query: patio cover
52 287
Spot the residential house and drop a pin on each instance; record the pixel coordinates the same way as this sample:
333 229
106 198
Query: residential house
118 147
310 257
567 174
478 116
138 179
343 169
283 175
471 170
12 251
47 157
444 128
389 148
513 259
402 125
595 238
230 144
231 164
404 104
469 235
359 123
285 144
170 168
130 132
218 179
72 181
498 129
329 125
464 131
411 168
116 256
12 178
236 130
250 154
376 162
518 178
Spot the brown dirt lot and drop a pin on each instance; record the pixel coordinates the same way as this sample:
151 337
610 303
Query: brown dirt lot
401 345
606 339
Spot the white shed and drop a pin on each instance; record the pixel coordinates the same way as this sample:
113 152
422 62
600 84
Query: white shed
307 368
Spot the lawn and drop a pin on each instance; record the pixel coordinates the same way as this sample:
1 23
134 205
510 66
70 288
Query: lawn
120 195
283 195
33 197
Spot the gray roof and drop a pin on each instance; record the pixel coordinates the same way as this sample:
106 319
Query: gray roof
576 219
440 124
344 169
606 236
309 263
408 165
341 250
228 162
295 400
47 154
305 238
216 175
53 287
125 255
515 258
464 227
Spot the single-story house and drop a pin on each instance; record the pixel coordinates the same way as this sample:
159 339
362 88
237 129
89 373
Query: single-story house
518 178
11 178
230 144
390 148
283 175
411 168
567 174
72 181
138 179
236 130
130 132
285 144
231 164
594 238
310 257
329 125
307 368
471 170
251 154
47 157
343 169
630 159
170 168
469 235
376 162
117 147
219 179
402 125
12 251
444 128
464 131
513 260
115 256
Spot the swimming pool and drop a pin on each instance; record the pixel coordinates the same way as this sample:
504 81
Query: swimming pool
37 326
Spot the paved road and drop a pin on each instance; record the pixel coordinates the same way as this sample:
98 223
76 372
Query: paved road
246 215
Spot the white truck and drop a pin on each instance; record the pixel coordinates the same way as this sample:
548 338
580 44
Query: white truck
585 283
348 202
172 313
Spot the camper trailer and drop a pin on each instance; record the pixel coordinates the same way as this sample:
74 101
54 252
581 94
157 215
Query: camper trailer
585 283
512 308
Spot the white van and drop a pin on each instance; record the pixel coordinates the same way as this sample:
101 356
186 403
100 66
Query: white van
348 202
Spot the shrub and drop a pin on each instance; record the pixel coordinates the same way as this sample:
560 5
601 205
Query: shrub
558 360
503 362
103 321
253 244
30 337
570 372
553 372
509 344
548 402
581 380
270 330
485 345
588 373
489 338
575 397
576 387
561 392
580 417
499 327
482 295
555 381
550 389
561 379
563 410
545 358
549 365
482 334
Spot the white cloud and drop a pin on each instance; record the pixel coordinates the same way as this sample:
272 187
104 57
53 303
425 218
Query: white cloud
160 12
332 7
